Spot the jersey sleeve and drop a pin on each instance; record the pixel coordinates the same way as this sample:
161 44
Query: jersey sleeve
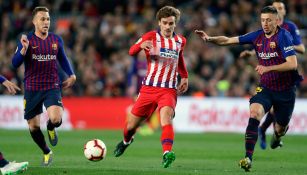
136 48
248 38
18 57
295 33
63 60
286 45
182 70
2 79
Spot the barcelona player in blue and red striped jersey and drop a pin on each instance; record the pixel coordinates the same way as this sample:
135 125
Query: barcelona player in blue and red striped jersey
277 65
298 47
41 51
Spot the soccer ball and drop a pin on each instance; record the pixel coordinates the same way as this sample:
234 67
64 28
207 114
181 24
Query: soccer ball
95 150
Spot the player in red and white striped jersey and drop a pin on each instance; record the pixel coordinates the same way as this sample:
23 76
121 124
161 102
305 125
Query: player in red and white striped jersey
164 53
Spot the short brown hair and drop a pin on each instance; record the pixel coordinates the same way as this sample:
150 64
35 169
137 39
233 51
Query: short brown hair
168 11
39 9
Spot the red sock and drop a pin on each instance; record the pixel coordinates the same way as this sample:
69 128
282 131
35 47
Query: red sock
128 134
167 137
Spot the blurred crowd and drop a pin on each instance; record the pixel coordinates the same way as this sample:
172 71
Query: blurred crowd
98 33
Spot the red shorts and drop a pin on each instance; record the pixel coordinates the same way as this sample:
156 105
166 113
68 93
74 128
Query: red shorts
151 98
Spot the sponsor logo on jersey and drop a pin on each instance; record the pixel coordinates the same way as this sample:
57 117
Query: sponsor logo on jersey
43 57
288 49
268 55
272 45
168 53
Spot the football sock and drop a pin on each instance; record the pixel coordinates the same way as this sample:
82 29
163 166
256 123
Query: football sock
51 126
3 162
167 138
128 134
267 122
251 136
39 139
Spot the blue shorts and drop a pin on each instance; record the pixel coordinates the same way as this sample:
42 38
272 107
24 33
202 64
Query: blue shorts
282 102
34 100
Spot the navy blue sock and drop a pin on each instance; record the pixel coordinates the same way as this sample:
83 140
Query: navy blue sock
267 122
251 136
39 139
3 162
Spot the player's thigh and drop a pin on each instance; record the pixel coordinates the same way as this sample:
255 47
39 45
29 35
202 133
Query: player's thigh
33 104
283 106
53 104
34 122
263 97
145 105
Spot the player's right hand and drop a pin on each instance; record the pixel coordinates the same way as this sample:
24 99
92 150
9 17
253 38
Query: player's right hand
24 42
11 87
147 45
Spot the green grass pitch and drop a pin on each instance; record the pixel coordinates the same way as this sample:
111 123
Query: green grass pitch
205 153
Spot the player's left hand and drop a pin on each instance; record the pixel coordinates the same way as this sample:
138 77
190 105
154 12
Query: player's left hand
183 86
262 69
69 81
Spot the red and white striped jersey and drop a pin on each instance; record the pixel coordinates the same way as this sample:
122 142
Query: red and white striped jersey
164 61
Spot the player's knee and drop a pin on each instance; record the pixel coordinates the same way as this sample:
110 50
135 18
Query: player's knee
254 113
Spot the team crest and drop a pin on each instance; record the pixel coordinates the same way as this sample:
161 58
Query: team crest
54 46
272 45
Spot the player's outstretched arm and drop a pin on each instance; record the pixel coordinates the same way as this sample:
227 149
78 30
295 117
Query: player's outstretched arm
218 40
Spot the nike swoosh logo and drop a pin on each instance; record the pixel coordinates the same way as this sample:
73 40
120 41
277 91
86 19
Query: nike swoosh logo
60 102
34 47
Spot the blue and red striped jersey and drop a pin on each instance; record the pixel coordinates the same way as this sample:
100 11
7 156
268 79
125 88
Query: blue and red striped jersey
295 33
41 62
272 51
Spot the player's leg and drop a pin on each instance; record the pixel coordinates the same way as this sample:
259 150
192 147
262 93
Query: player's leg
3 161
8 168
259 105
33 109
143 107
54 106
133 122
167 135
167 104
264 126
283 107
39 139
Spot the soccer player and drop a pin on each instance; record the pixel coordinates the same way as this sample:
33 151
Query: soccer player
164 53
8 168
41 51
298 47
277 64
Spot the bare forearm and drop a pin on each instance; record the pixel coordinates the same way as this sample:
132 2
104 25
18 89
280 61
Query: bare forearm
300 48
223 40
286 66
